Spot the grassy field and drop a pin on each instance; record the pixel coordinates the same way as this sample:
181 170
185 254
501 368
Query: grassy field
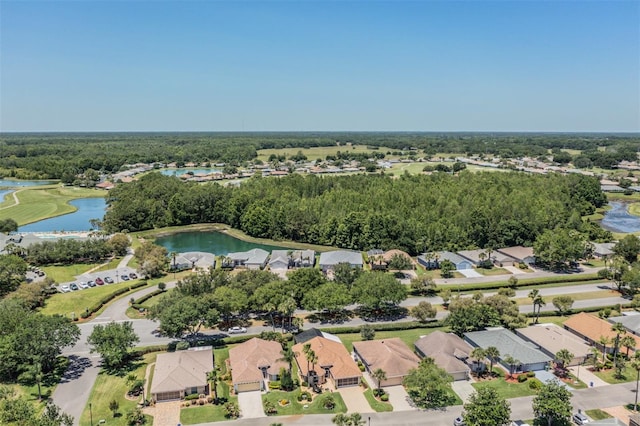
112 264
295 407
78 301
42 202
315 153
108 387
67 273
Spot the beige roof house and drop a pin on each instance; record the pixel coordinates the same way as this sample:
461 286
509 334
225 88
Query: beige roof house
253 362
390 355
519 253
333 362
552 338
591 328
448 351
181 373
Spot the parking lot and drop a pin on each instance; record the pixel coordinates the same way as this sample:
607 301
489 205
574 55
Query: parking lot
88 280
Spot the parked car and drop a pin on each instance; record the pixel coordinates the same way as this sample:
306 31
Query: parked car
99 281
124 277
580 419
65 289
108 280
40 273
91 283
83 285
458 421
133 276
237 330
74 286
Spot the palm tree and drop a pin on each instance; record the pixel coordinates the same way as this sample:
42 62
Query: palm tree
619 329
341 420
380 375
212 377
287 307
477 355
173 264
635 364
604 341
538 302
595 354
628 342
563 357
511 362
306 349
288 355
493 354
270 308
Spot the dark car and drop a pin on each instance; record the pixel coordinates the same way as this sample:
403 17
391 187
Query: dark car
108 280
91 283
133 276
74 286
124 277
99 281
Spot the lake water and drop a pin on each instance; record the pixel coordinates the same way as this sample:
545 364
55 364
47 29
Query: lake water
18 183
214 242
180 172
618 219
88 208
4 192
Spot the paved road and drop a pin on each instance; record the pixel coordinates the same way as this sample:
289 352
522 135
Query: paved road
72 393
584 270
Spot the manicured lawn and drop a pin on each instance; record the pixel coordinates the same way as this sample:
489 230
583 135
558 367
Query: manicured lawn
407 336
587 295
112 264
294 407
492 271
111 387
378 406
42 202
67 273
597 414
202 414
78 301
628 375
506 390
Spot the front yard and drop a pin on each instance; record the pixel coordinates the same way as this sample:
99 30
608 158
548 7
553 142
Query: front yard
294 407
507 389
628 375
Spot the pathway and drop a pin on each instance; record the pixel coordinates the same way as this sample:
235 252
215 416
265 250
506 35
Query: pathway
16 200
72 393
587 376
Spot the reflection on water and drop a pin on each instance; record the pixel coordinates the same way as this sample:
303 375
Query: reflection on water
618 219
88 208
180 172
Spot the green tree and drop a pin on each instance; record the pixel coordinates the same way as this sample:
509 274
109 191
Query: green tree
119 244
304 280
466 315
112 342
429 386
367 332
423 285
511 362
478 355
212 378
8 225
619 329
184 314
229 300
538 302
377 290
628 248
344 273
379 375
114 406
486 408
331 296
563 358
558 247
152 259
423 311
13 271
552 405
493 354
446 269
628 342
562 304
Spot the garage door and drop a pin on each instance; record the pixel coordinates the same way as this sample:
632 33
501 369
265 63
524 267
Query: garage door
246 387
167 396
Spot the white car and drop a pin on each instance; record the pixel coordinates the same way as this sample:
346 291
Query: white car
237 330
580 419
65 289
83 285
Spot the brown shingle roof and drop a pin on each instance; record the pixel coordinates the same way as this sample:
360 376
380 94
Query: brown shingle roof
445 349
330 354
593 327
181 370
391 355
248 358
387 255
517 252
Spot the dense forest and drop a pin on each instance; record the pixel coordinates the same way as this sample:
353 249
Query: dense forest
413 213
60 155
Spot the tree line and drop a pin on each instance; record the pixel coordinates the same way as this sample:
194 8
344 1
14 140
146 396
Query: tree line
413 213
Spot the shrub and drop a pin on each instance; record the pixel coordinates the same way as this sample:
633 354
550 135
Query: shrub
384 397
522 378
187 404
531 374
274 384
534 384
209 399
201 402
181 346
305 383
191 397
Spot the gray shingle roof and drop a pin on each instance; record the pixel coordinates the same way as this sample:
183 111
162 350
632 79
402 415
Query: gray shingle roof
508 344
330 258
631 322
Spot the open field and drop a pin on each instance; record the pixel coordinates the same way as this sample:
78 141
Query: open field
63 274
42 202
318 152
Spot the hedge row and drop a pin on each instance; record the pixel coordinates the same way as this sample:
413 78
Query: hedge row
404 325
108 298
578 310
137 304
522 283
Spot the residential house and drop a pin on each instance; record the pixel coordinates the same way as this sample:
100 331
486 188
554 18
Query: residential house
591 329
279 260
252 259
193 260
603 250
476 257
333 363
255 362
330 259
390 355
308 334
286 259
528 356
448 351
433 260
181 373
381 260
551 339
630 320
520 254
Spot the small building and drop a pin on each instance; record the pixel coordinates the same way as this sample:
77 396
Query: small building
254 363
603 250
528 356
181 373
520 254
390 355
193 260
630 320
551 339
287 259
252 259
448 351
591 329
330 259
476 257
333 363
279 260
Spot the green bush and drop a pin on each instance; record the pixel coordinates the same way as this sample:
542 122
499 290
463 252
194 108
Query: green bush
522 378
384 397
181 346
274 384
535 384
191 397
531 374
522 283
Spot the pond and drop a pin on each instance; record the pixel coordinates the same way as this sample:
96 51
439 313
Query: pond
88 208
18 183
214 242
180 172
618 219
3 193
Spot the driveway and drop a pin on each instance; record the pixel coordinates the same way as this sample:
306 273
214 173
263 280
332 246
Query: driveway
399 398
587 376
514 270
354 400
250 404
470 273
72 393
166 413
463 388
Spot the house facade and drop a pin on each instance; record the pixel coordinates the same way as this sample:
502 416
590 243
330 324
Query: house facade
330 259
253 259
390 355
449 352
551 339
333 364
433 260
254 363
181 373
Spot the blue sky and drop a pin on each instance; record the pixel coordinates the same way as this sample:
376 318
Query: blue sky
317 65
